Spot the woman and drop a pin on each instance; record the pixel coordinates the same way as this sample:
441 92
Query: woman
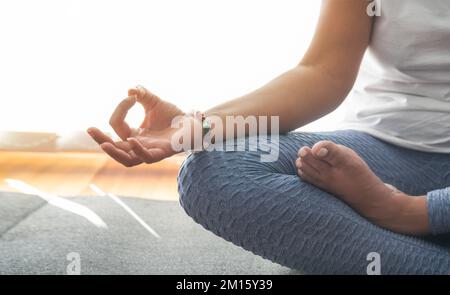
324 206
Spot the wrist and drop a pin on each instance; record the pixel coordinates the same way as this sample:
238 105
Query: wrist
201 127
186 133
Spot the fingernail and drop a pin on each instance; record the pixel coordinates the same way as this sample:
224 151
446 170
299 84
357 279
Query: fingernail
322 152
299 164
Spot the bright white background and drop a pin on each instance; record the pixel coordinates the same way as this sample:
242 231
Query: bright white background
64 65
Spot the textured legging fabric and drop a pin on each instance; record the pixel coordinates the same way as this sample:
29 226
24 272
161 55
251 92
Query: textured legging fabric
267 209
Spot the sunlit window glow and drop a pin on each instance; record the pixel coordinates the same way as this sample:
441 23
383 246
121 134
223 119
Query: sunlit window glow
64 65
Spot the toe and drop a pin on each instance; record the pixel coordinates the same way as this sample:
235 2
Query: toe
320 165
298 163
307 172
330 152
307 178
303 151
305 156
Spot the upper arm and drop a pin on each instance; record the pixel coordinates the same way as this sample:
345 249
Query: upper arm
341 38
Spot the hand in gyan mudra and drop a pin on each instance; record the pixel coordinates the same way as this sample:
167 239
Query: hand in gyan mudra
149 143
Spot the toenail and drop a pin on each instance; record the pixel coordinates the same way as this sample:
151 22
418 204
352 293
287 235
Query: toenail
322 152
303 152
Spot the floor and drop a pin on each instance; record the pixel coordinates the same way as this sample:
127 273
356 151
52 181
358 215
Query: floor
139 234
70 174
40 238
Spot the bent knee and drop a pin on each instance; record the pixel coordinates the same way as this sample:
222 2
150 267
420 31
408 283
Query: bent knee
207 179
199 177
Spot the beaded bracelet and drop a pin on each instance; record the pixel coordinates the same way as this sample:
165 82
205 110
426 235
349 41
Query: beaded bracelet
206 125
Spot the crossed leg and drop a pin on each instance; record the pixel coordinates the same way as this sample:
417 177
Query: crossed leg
267 209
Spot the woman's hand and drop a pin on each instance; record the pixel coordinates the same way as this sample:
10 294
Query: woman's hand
148 144
158 113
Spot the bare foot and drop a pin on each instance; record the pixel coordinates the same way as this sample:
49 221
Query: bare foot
339 170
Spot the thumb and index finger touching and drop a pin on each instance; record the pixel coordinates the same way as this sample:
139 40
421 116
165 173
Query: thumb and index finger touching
138 94
146 98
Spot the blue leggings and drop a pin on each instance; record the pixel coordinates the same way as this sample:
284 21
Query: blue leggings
267 209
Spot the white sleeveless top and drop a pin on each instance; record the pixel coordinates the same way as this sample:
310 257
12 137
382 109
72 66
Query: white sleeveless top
402 94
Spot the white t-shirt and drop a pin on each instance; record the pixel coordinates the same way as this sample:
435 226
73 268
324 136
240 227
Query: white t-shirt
402 94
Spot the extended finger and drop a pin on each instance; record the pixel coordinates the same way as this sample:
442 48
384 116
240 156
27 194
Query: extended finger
117 120
99 136
119 155
151 155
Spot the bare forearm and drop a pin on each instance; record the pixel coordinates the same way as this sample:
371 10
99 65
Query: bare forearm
299 96
324 76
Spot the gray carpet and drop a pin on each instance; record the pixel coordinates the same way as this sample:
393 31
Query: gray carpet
36 237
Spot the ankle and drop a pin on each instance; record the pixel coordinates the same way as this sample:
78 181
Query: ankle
403 214
385 207
412 216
